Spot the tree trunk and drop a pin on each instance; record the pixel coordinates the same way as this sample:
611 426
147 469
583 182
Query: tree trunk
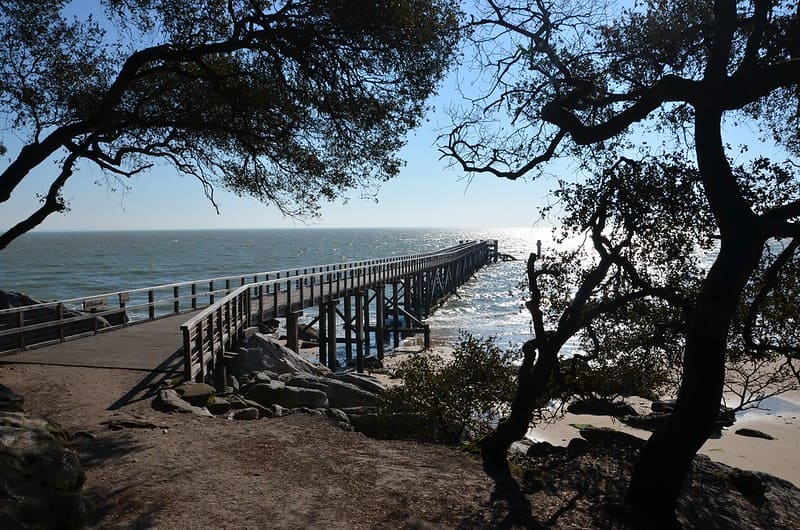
666 458
532 381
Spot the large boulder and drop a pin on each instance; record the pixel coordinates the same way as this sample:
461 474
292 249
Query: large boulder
340 394
41 479
362 381
259 353
168 400
277 393
10 401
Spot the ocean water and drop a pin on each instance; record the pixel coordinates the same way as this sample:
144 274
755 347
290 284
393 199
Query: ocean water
62 265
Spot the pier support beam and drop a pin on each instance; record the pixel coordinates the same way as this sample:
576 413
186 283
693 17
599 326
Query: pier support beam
292 331
331 334
359 332
323 335
380 307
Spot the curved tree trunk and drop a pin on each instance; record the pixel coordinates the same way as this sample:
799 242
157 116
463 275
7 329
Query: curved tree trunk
532 381
666 458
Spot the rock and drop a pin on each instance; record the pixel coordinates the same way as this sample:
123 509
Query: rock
246 414
21 420
233 383
41 479
278 411
602 407
340 394
748 483
604 435
277 393
309 333
260 352
238 403
663 406
268 327
10 401
218 406
168 400
363 381
303 381
343 395
541 449
196 394
753 433
371 362
647 422
339 418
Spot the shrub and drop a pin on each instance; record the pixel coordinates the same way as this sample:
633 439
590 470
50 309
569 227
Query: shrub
457 398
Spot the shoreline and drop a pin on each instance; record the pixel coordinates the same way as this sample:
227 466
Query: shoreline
776 457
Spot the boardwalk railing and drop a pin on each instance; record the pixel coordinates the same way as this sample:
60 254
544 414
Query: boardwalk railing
46 323
218 328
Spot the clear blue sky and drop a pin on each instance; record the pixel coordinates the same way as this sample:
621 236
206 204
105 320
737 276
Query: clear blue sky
425 194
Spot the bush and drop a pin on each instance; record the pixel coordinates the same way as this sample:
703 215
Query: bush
457 398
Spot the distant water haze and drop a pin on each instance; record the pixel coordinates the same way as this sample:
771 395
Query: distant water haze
61 265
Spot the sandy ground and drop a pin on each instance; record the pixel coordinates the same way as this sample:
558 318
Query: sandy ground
301 471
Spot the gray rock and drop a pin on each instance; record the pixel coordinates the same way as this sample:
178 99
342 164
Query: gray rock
363 381
278 411
753 433
604 435
21 420
260 352
277 393
233 383
601 407
340 393
169 401
11 401
663 406
304 381
196 394
40 479
246 414
218 406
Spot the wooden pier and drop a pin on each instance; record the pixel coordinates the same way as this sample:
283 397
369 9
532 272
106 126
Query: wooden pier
371 304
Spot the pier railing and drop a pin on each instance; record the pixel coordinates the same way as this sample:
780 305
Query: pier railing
216 329
47 323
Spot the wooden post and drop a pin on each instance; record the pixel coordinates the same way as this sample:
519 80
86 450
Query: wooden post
380 300
194 296
332 335
176 304
151 308
395 315
366 321
292 335
348 327
359 332
323 335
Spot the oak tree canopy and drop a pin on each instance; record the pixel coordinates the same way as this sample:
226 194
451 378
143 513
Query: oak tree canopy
289 101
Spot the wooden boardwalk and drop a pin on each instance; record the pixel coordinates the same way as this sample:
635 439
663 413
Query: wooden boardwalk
147 329
153 347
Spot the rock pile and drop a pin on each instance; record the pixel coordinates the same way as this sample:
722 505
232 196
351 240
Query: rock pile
266 379
41 479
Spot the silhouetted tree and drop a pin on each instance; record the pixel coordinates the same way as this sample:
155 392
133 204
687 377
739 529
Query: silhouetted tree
571 79
289 101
